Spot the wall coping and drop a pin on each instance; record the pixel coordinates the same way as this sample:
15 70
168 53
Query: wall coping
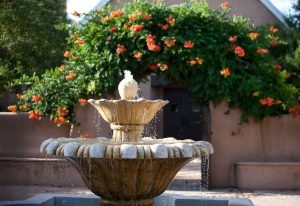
21 159
162 200
267 163
12 113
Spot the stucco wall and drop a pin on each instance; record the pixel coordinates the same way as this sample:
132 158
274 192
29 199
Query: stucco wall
91 123
252 9
21 137
275 139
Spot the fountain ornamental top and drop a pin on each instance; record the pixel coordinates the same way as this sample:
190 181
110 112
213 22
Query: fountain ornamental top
128 87
128 115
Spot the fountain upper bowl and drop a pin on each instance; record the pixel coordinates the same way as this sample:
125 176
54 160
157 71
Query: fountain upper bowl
128 112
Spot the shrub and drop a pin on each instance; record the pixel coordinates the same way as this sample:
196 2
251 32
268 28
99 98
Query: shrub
216 56
29 39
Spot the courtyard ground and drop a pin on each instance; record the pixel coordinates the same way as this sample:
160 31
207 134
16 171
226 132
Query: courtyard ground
185 183
259 198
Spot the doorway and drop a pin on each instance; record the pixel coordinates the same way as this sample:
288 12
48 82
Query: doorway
183 118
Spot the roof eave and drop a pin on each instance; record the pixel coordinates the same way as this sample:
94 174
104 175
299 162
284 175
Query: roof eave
276 12
101 4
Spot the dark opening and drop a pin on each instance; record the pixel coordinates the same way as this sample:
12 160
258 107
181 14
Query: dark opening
183 118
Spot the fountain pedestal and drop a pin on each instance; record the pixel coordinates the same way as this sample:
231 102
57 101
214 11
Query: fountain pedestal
127 133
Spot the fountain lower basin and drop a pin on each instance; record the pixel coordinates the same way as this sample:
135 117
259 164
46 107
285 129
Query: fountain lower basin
129 171
120 181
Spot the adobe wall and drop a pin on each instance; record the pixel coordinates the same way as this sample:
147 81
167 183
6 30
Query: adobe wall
275 139
21 137
252 9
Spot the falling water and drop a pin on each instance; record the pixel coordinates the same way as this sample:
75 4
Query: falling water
66 168
204 172
151 130
204 181
51 169
46 169
97 123
154 125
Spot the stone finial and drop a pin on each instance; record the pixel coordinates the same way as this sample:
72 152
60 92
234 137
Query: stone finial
128 87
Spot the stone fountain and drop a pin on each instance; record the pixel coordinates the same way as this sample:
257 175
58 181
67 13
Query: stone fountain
128 169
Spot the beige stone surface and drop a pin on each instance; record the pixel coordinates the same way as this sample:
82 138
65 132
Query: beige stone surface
127 117
275 139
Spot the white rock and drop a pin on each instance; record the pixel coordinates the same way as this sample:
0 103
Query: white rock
170 151
159 151
102 138
45 144
197 150
86 152
59 150
81 150
128 151
116 152
147 151
176 151
188 140
185 149
141 151
209 147
168 139
147 139
51 148
91 101
97 151
64 139
203 144
109 151
70 150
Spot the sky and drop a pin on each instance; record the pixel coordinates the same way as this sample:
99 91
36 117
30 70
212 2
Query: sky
84 6
283 5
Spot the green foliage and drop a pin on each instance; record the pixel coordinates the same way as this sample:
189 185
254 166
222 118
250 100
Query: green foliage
286 53
293 19
211 53
29 39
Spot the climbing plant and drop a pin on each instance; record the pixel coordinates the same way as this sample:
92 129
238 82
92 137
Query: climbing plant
218 57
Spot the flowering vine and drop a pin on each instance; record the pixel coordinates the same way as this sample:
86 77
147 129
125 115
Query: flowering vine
208 51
